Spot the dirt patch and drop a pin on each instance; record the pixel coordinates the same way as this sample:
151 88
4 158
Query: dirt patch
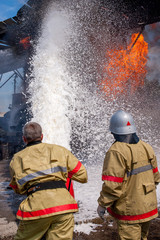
108 230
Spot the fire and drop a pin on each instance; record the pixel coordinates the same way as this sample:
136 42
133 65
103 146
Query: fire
25 42
126 69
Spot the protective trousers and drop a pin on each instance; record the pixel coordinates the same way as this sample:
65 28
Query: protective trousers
54 228
137 231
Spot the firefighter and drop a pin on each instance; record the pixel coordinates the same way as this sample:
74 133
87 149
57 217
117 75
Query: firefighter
130 176
40 171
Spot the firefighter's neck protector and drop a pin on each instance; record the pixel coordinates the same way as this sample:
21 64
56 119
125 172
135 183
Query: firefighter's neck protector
128 138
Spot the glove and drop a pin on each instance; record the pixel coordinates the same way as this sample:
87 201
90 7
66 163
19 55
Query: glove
101 211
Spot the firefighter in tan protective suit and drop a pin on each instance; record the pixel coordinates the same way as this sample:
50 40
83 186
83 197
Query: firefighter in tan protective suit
41 171
130 176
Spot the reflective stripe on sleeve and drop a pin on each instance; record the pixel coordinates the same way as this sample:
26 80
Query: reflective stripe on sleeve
41 173
133 217
46 211
155 170
13 186
75 170
112 178
139 170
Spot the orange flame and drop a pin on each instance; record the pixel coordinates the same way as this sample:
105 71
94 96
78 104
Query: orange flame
25 42
126 69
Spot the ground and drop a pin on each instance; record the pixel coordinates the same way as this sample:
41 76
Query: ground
107 231
101 230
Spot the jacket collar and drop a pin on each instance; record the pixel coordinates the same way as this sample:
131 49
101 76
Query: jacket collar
128 138
33 143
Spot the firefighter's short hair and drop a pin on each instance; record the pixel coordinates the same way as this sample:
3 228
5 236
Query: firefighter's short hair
32 131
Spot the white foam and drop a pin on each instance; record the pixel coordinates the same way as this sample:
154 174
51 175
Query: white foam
50 93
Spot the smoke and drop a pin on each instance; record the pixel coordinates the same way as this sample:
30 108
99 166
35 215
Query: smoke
153 64
152 36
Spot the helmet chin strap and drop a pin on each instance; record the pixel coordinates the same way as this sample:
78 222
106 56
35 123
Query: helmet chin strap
128 138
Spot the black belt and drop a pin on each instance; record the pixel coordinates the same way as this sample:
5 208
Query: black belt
45 186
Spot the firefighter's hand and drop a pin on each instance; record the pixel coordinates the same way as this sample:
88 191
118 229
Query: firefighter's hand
101 211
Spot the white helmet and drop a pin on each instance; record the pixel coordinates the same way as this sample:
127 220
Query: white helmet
122 123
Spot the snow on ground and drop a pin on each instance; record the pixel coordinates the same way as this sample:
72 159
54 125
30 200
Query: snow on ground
86 195
85 227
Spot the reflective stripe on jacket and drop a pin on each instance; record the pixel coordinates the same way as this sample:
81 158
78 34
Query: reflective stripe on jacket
40 163
130 175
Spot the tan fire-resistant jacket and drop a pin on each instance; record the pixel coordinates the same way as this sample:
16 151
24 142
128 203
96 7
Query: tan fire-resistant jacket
130 175
40 163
